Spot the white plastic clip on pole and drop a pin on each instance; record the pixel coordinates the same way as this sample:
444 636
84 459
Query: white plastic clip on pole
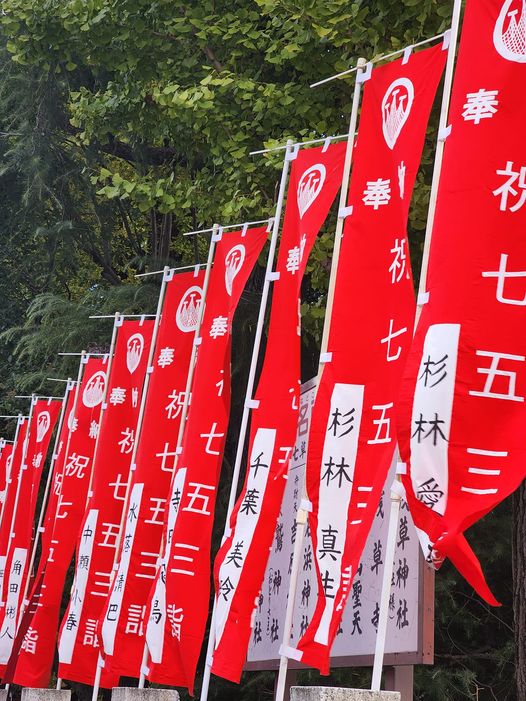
249 392
301 517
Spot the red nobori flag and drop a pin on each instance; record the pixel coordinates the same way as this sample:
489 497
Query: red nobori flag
5 466
56 482
463 399
240 565
178 607
123 619
36 656
352 436
44 416
46 536
9 505
78 640
13 469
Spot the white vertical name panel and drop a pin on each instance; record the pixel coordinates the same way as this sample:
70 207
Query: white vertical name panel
411 610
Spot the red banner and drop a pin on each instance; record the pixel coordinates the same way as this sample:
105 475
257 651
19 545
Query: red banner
178 607
463 402
78 640
44 416
240 565
11 488
35 659
5 466
352 439
124 621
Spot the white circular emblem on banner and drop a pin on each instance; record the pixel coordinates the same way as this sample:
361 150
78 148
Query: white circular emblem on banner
309 186
94 389
72 421
233 264
43 424
187 314
509 35
134 350
396 107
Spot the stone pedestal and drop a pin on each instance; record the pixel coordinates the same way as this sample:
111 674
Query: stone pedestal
125 693
3 694
327 693
46 695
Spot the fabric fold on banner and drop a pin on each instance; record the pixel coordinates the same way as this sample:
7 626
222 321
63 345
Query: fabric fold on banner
43 419
123 620
315 179
352 436
178 606
78 640
33 667
463 399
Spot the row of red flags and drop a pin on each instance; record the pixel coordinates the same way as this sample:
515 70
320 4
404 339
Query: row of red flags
138 454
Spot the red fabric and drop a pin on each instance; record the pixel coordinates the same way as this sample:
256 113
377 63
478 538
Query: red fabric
78 640
123 618
9 507
34 663
466 373
5 462
178 606
240 565
44 416
9 504
352 436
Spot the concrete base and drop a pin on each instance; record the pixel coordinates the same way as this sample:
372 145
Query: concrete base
328 693
3 694
46 694
125 693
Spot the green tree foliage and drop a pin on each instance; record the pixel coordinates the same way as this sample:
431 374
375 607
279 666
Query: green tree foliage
124 123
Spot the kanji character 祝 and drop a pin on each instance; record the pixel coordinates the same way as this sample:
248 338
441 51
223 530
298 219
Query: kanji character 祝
514 187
